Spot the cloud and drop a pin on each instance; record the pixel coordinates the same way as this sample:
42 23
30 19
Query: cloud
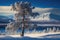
44 12
6 9
41 10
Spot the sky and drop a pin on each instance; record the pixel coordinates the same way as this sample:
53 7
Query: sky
36 3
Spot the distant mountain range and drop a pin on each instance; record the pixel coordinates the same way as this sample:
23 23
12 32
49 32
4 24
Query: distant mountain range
5 19
53 16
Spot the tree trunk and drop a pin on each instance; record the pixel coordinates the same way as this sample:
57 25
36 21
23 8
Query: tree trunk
23 26
22 31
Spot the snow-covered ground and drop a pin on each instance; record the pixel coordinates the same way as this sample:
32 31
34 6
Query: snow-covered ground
33 36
